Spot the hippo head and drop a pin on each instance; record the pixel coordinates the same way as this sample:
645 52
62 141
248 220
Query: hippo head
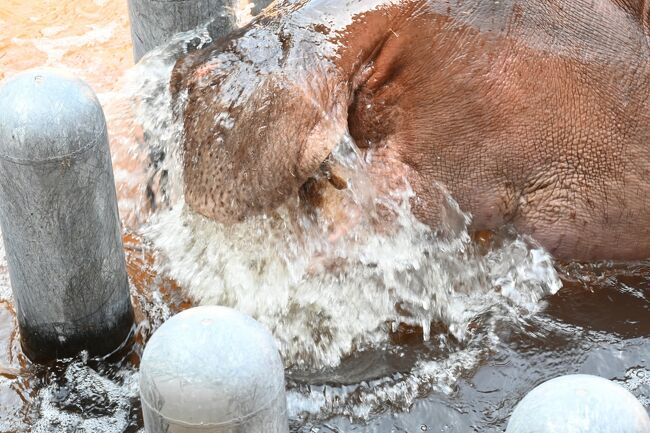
263 107
245 150
530 114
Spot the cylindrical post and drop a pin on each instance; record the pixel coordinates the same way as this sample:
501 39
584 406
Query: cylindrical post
212 370
579 404
154 22
59 218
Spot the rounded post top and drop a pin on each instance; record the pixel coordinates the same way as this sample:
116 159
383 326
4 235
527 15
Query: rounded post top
210 365
579 403
48 114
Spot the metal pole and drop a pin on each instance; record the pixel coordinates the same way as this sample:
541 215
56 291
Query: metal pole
59 218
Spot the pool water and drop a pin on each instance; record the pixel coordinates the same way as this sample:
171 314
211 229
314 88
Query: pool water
406 331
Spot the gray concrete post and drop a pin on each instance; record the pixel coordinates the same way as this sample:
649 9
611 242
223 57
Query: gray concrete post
154 22
59 218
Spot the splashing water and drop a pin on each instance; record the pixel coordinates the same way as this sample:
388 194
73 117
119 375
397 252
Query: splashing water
86 400
327 297
319 314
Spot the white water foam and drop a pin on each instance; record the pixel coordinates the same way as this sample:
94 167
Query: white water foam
87 401
260 268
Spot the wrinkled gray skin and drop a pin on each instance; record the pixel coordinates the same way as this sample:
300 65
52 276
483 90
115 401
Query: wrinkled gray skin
533 113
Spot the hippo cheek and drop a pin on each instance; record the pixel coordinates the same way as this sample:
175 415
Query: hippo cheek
263 108
272 144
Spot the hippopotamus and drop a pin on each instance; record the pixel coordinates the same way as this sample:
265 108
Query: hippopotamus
530 113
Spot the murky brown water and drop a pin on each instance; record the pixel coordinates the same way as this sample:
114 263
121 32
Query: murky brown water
598 323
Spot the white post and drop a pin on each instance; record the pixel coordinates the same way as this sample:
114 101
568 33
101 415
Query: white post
579 404
212 370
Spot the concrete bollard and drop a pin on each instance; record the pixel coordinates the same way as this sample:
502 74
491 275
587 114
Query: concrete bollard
59 219
214 370
154 22
579 404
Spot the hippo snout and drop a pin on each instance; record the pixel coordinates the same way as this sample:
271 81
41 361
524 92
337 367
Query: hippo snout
254 130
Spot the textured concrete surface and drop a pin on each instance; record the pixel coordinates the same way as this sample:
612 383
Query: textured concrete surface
59 218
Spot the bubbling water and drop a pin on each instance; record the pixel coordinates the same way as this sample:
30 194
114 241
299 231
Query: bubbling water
86 400
325 300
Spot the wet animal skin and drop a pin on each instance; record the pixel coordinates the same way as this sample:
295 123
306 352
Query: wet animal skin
533 113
